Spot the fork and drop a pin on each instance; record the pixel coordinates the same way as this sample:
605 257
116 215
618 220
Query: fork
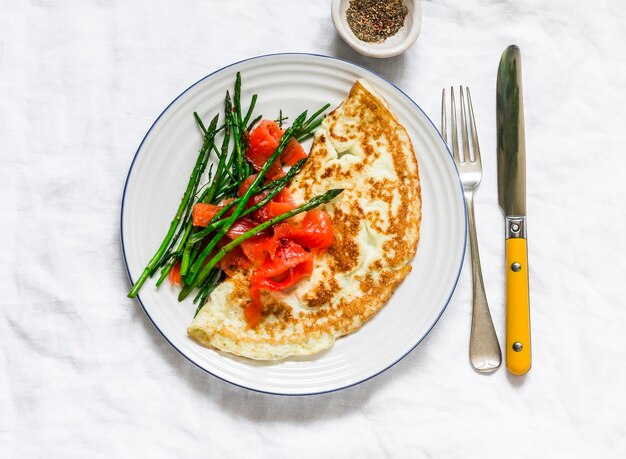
484 350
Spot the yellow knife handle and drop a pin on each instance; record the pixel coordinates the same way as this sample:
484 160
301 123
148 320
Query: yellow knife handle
518 356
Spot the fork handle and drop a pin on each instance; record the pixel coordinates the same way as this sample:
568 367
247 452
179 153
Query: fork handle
518 356
485 354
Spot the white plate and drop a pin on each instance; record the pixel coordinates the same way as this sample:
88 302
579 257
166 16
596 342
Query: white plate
295 82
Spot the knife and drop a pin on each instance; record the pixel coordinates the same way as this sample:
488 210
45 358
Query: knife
512 197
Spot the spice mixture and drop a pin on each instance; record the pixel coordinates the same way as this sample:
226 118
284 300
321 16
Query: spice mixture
376 20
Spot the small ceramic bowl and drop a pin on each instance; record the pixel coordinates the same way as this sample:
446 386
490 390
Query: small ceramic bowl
393 45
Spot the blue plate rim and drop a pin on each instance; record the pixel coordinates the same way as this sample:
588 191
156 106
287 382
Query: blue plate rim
130 169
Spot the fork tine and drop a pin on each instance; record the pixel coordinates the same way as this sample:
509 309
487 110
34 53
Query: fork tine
444 130
466 149
473 126
455 132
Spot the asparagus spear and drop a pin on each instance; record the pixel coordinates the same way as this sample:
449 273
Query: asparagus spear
309 132
187 224
316 201
254 121
309 127
281 118
237 96
250 110
241 126
191 186
212 281
237 129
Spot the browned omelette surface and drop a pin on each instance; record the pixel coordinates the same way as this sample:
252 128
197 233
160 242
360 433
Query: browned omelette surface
362 148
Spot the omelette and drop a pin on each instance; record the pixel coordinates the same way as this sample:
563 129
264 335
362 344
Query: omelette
360 147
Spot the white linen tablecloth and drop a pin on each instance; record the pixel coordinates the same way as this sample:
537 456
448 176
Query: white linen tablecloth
83 372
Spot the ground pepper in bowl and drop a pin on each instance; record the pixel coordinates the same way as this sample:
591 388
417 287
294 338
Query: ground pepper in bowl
375 20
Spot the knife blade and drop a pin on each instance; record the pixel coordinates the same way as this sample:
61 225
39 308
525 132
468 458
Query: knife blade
511 157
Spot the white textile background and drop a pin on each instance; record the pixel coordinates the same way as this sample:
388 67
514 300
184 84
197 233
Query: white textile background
84 373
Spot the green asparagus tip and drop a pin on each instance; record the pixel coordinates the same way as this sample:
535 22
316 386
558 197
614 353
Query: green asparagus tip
331 194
